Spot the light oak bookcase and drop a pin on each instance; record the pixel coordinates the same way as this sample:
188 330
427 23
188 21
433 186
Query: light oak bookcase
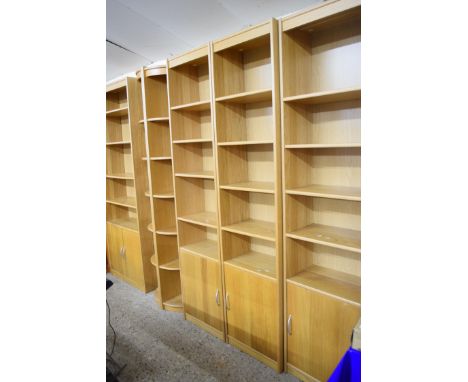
321 115
195 182
129 245
248 157
159 185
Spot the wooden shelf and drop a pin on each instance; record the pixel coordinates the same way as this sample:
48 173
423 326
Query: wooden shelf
332 192
253 228
244 143
193 140
163 231
326 96
330 282
208 174
157 158
130 223
256 262
160 196
248 97
119 143
175 302
341 238
125 175
158 119
125 201
171 265
153 260
193 106
264 187
205 248
322 145
206 219
117 112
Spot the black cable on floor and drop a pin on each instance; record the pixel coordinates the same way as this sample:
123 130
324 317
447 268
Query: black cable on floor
115 335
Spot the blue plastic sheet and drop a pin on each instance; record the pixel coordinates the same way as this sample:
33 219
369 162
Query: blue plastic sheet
349 368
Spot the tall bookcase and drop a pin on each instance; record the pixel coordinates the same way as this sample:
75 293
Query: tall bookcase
129 246
248 152
321 115
196 189
159 186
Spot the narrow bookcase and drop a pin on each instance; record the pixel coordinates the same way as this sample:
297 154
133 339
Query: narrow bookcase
321 115
159 186
129 246
196 188
248 155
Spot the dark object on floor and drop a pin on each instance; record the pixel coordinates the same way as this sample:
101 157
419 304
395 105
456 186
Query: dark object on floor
110 377
109 283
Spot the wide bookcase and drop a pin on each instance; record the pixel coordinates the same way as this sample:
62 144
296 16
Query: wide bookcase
248 157
195 182
159 185
129 246
321 115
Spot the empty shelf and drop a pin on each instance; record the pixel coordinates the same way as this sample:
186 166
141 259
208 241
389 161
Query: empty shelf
330 282
244 143
193 106
129 223
124 201
205 218
157 158
117 112
171 265
264 187
322 145
153 260
158 119
331 192
118 143
256 262
193 140
248 97
341 238
253 228
327 96
122 175
205 248
163 231
175 302
207 174
167 195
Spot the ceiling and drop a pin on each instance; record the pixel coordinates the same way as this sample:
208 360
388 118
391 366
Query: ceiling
140 32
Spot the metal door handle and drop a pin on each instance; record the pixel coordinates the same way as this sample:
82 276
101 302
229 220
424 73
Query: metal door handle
217 296
290 324
120 253
123 251
228 305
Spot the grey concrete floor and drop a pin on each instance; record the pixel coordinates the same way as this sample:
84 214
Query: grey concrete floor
157 345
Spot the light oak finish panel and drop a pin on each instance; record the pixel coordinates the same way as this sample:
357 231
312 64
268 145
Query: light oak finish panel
203 294
252 304
319 331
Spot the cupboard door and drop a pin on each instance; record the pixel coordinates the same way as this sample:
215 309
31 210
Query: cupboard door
252 310
114 246
133 259
319 330
202 290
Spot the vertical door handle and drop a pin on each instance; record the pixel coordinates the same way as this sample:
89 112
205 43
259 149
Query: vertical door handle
123 251
217 296
227 303
290 324
120 253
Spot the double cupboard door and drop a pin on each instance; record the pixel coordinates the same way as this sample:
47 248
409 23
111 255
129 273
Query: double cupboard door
125 254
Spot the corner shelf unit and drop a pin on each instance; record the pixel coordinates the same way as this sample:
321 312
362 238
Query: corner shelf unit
196 188
159 186
248 152
126 208
321 127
